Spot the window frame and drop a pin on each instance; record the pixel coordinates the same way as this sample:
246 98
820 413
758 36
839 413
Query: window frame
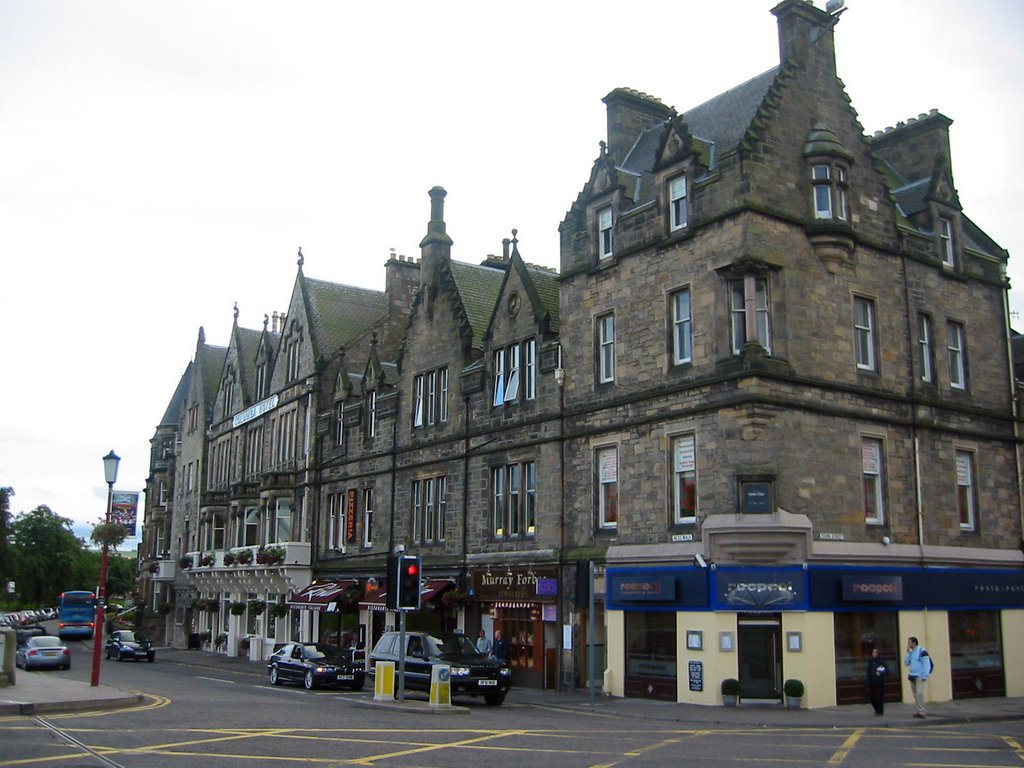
947 242
966 492
515 373
371 413
607 487
829 195
513 500
605 232
682 327
367 517
872 469
926 352
956 354
606 348
678 203
865 338
755 292
684 466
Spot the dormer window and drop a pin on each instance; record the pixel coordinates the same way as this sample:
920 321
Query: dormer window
947 242
604 232
292 356
677 203
830 188
261 380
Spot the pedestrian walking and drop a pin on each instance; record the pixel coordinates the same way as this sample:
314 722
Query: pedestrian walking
500 648
877 672
918 668
483 643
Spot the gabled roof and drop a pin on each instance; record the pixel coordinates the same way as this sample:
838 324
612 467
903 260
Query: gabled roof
172 416
725 118
338 314
546 283
211 364
247 342
479 288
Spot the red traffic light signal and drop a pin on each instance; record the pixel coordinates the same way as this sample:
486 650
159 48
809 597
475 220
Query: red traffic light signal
409 582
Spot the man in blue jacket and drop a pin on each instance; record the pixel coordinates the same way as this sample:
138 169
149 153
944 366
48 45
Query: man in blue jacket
918 668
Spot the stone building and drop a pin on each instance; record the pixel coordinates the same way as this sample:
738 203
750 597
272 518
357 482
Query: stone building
767 401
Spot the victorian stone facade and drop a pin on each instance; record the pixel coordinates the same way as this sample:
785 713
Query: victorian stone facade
768 395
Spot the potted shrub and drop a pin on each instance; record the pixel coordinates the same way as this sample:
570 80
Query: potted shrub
237 608
185 561
243 557
262 557
206 636
794 690
207 559
229 558
274 554
220 641
730 691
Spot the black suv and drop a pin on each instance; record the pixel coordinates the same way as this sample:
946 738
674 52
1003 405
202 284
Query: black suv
472 673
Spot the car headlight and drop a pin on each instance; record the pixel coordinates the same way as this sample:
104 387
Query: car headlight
460 671
505 672
320 670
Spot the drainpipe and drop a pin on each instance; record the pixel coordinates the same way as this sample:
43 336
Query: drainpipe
560 381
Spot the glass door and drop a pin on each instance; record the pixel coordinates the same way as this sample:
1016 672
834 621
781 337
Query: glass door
759 650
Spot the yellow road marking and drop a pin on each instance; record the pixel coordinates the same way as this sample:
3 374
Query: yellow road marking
850 742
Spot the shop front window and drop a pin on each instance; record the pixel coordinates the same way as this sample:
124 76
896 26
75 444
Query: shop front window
856 635
976 654
651 655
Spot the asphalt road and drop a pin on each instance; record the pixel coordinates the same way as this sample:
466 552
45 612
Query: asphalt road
195 716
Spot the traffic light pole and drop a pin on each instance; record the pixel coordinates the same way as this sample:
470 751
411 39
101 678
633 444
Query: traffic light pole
401 655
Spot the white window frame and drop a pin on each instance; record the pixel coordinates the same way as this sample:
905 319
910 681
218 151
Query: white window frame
442 508
864 333
499 378
371 413
443 397
966 500
431 395
333 540
162 494
682 327
607 459
677 203
514 380
829 183
684 468
606 348
605 232
417 510
429 510
292 354
872 460
282 519
955 353
367 517
947 242
498 502
751 313
417 402
924 346
249 532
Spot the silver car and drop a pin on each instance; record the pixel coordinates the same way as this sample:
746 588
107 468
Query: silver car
45 652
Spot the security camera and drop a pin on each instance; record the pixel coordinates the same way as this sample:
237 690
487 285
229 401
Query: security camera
886 540
699 561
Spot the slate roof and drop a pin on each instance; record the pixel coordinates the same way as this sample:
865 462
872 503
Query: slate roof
248 341
546 284
478 288
211 366
339 314
172 416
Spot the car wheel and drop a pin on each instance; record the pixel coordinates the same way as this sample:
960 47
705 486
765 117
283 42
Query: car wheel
309 681
274 679
107 654
120 656
494 699
151 658
357 684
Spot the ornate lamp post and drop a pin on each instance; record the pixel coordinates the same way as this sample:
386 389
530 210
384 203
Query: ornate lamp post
110 462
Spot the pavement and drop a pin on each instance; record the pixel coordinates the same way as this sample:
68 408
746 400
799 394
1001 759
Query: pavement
45 692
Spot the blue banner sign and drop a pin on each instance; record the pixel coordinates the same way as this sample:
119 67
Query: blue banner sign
760 589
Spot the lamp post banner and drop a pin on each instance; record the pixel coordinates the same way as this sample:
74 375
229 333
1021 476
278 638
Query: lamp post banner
124 509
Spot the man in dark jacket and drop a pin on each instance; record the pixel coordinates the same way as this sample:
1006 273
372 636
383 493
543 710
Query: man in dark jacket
877 672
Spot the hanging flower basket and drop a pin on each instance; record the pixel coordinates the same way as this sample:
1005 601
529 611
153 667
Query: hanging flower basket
279 610
454 598
185 561
164 608
257 607
237 609
209 605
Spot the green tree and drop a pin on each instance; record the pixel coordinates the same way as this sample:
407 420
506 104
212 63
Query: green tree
47 556
6 564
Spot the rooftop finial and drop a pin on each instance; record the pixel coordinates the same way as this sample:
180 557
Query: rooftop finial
266 321
302 258
604 149
236 310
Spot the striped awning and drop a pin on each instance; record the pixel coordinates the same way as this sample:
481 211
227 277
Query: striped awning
321 595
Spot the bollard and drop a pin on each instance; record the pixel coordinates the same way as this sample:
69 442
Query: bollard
440 687
384 681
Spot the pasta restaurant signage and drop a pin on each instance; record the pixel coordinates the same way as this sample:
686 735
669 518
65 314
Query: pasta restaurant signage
642 587
535 585
872 586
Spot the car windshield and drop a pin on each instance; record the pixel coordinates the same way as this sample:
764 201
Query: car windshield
127 636
453 645
312 652
46 642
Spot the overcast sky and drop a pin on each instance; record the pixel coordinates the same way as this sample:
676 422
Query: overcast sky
160 161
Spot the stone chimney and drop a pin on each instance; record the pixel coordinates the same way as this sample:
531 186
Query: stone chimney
806 33
436 246
630 113
917 146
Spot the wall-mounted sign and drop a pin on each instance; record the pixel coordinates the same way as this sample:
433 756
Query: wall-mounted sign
124 509
522 584
756 498
253 411
696 674
642 587
760 589
872 586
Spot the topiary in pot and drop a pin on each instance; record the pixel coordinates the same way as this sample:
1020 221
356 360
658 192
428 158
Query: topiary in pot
730 691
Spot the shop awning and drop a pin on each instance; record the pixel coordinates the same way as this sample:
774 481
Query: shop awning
321 595
429 591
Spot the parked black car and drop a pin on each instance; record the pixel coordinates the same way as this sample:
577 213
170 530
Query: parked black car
26 632
316 664
125 644
472 673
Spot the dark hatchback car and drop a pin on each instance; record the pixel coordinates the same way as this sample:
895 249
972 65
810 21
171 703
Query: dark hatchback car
126 644
472 673
316 664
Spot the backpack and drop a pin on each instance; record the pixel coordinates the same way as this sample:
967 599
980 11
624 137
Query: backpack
931 664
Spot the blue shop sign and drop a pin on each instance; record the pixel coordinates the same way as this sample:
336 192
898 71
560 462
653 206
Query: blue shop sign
760 589
656 589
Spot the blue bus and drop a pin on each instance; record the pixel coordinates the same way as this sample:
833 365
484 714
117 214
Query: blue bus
76 614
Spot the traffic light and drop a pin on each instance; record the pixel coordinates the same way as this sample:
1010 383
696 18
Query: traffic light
409 569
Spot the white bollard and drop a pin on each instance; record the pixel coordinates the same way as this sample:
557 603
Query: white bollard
384 681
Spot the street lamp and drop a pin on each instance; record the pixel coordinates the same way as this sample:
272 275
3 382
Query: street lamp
110 462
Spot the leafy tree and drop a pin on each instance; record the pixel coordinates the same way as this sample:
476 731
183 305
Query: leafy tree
47 555
6 571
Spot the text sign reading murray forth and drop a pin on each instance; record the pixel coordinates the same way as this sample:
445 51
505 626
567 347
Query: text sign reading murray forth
528 584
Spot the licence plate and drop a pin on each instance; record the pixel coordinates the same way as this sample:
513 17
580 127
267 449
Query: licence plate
487 682
51 653
346 677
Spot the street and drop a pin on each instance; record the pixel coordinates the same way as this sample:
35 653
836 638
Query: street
231 716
